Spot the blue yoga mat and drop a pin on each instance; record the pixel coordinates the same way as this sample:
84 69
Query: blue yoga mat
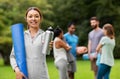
86 57
19 46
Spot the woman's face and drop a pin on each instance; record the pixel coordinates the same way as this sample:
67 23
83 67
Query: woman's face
33 19
61 35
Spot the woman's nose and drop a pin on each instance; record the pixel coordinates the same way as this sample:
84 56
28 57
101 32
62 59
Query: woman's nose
33 18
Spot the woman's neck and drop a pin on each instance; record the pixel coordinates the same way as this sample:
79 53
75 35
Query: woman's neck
33 32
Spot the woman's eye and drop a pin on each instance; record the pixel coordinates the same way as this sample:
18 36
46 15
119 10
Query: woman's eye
34 16
37 16
30 16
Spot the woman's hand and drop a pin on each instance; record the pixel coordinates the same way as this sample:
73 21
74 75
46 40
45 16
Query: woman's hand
19 74
51 45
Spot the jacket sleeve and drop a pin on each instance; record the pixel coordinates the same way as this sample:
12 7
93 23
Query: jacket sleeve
13 59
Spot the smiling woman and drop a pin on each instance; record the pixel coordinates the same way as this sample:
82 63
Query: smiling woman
36 60
33 17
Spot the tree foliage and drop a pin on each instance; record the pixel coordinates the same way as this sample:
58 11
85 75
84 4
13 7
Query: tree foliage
14 12
80 11
60 13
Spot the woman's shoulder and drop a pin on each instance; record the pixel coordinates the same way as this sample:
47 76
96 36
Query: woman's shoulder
40 30
57 39
26 31
104 37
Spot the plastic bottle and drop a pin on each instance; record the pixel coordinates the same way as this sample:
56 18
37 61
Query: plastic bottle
48 38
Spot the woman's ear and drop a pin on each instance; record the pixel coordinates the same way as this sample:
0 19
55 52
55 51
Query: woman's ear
41 19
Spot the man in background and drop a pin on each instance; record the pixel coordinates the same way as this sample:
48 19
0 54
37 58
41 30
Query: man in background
72 40
94 37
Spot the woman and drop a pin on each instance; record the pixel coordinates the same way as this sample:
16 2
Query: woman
60 48
36 60
107 44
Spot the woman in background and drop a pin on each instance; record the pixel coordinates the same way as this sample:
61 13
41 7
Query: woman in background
107 44
60 48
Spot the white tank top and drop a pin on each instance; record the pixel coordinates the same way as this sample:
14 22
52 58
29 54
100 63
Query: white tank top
59 53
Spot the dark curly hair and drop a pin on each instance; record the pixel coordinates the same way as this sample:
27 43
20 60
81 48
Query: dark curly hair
57 31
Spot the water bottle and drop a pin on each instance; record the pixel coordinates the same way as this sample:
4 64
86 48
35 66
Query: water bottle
48 38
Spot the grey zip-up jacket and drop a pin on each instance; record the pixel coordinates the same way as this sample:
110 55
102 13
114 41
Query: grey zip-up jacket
36 60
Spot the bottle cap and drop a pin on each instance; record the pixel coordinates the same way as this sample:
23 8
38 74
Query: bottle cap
50 28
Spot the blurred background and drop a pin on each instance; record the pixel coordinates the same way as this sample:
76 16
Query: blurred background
59 13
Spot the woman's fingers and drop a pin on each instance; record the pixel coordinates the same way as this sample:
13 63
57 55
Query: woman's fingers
19 75
51 45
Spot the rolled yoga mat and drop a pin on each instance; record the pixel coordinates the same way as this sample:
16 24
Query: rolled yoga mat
19 47
86 57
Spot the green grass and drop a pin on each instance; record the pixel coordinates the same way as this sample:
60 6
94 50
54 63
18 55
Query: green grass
83 70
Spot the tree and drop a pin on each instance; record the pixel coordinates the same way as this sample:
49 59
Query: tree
60 13
80 12
14 12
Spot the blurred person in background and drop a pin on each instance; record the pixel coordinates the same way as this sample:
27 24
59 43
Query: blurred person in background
72 40
94 37
106 45
60 48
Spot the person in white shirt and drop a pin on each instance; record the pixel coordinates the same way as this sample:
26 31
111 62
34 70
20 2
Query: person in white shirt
60 49
106 44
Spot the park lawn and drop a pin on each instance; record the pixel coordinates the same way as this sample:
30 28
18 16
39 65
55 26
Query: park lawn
83 70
